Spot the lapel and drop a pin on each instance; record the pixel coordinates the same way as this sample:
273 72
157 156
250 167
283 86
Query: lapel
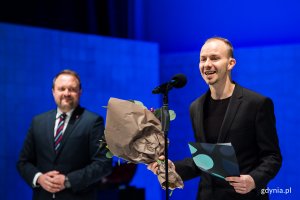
50 129
234 103
71 125
199 122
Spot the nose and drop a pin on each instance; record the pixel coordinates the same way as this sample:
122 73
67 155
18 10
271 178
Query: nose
67 92
207 63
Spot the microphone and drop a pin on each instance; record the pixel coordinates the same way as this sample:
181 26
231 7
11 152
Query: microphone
178 81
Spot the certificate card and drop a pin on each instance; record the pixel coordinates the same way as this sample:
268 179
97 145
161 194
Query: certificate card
216 159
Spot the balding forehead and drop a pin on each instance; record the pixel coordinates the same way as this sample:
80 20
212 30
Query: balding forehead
217 44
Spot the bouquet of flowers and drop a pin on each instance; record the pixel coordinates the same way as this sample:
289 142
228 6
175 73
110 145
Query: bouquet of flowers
133 133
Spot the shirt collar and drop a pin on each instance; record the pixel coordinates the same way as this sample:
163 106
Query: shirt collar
59 112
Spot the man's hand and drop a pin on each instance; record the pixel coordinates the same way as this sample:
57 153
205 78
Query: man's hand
52 181
242 184
59 179
154 166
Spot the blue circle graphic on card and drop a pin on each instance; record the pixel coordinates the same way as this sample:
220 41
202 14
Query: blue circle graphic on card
203 161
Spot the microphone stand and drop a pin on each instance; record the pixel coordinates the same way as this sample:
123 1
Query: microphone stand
165 121
177 81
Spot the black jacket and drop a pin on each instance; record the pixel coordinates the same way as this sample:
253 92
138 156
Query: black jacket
249 124
79 156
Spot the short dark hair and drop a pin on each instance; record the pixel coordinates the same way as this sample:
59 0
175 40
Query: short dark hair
226 41
69 72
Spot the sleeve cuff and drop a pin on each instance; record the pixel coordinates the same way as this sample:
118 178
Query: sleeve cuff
36 176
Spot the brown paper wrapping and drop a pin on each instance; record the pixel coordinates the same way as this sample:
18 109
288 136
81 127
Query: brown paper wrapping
133 133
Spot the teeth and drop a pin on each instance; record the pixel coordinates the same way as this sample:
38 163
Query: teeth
209 72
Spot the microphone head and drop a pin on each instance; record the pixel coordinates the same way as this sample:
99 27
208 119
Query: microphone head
179 80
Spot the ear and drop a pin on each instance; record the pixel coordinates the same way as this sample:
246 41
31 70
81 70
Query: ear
231 64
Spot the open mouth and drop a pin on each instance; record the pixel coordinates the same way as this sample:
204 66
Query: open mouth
209 72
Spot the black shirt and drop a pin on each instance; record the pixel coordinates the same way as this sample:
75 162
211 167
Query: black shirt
214 113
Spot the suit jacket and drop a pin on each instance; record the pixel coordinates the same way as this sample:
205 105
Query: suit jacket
249 124
79 156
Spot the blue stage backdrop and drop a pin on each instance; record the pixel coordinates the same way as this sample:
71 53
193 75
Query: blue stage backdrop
178 26
270 70
31 57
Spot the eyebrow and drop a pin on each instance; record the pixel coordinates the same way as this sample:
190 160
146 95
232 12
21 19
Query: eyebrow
210 55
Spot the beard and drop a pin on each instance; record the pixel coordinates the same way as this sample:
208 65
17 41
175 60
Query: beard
67 104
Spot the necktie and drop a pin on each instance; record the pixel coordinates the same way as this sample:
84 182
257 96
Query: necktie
59 131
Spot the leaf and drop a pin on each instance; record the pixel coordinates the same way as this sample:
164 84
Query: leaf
172 115
160 162
109 154
157 113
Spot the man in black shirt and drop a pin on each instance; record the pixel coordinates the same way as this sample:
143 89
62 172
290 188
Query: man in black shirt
229 113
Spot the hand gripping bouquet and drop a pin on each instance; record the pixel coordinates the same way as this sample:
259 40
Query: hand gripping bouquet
133 133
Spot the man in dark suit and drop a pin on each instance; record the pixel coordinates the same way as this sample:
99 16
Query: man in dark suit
61 158
229 113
